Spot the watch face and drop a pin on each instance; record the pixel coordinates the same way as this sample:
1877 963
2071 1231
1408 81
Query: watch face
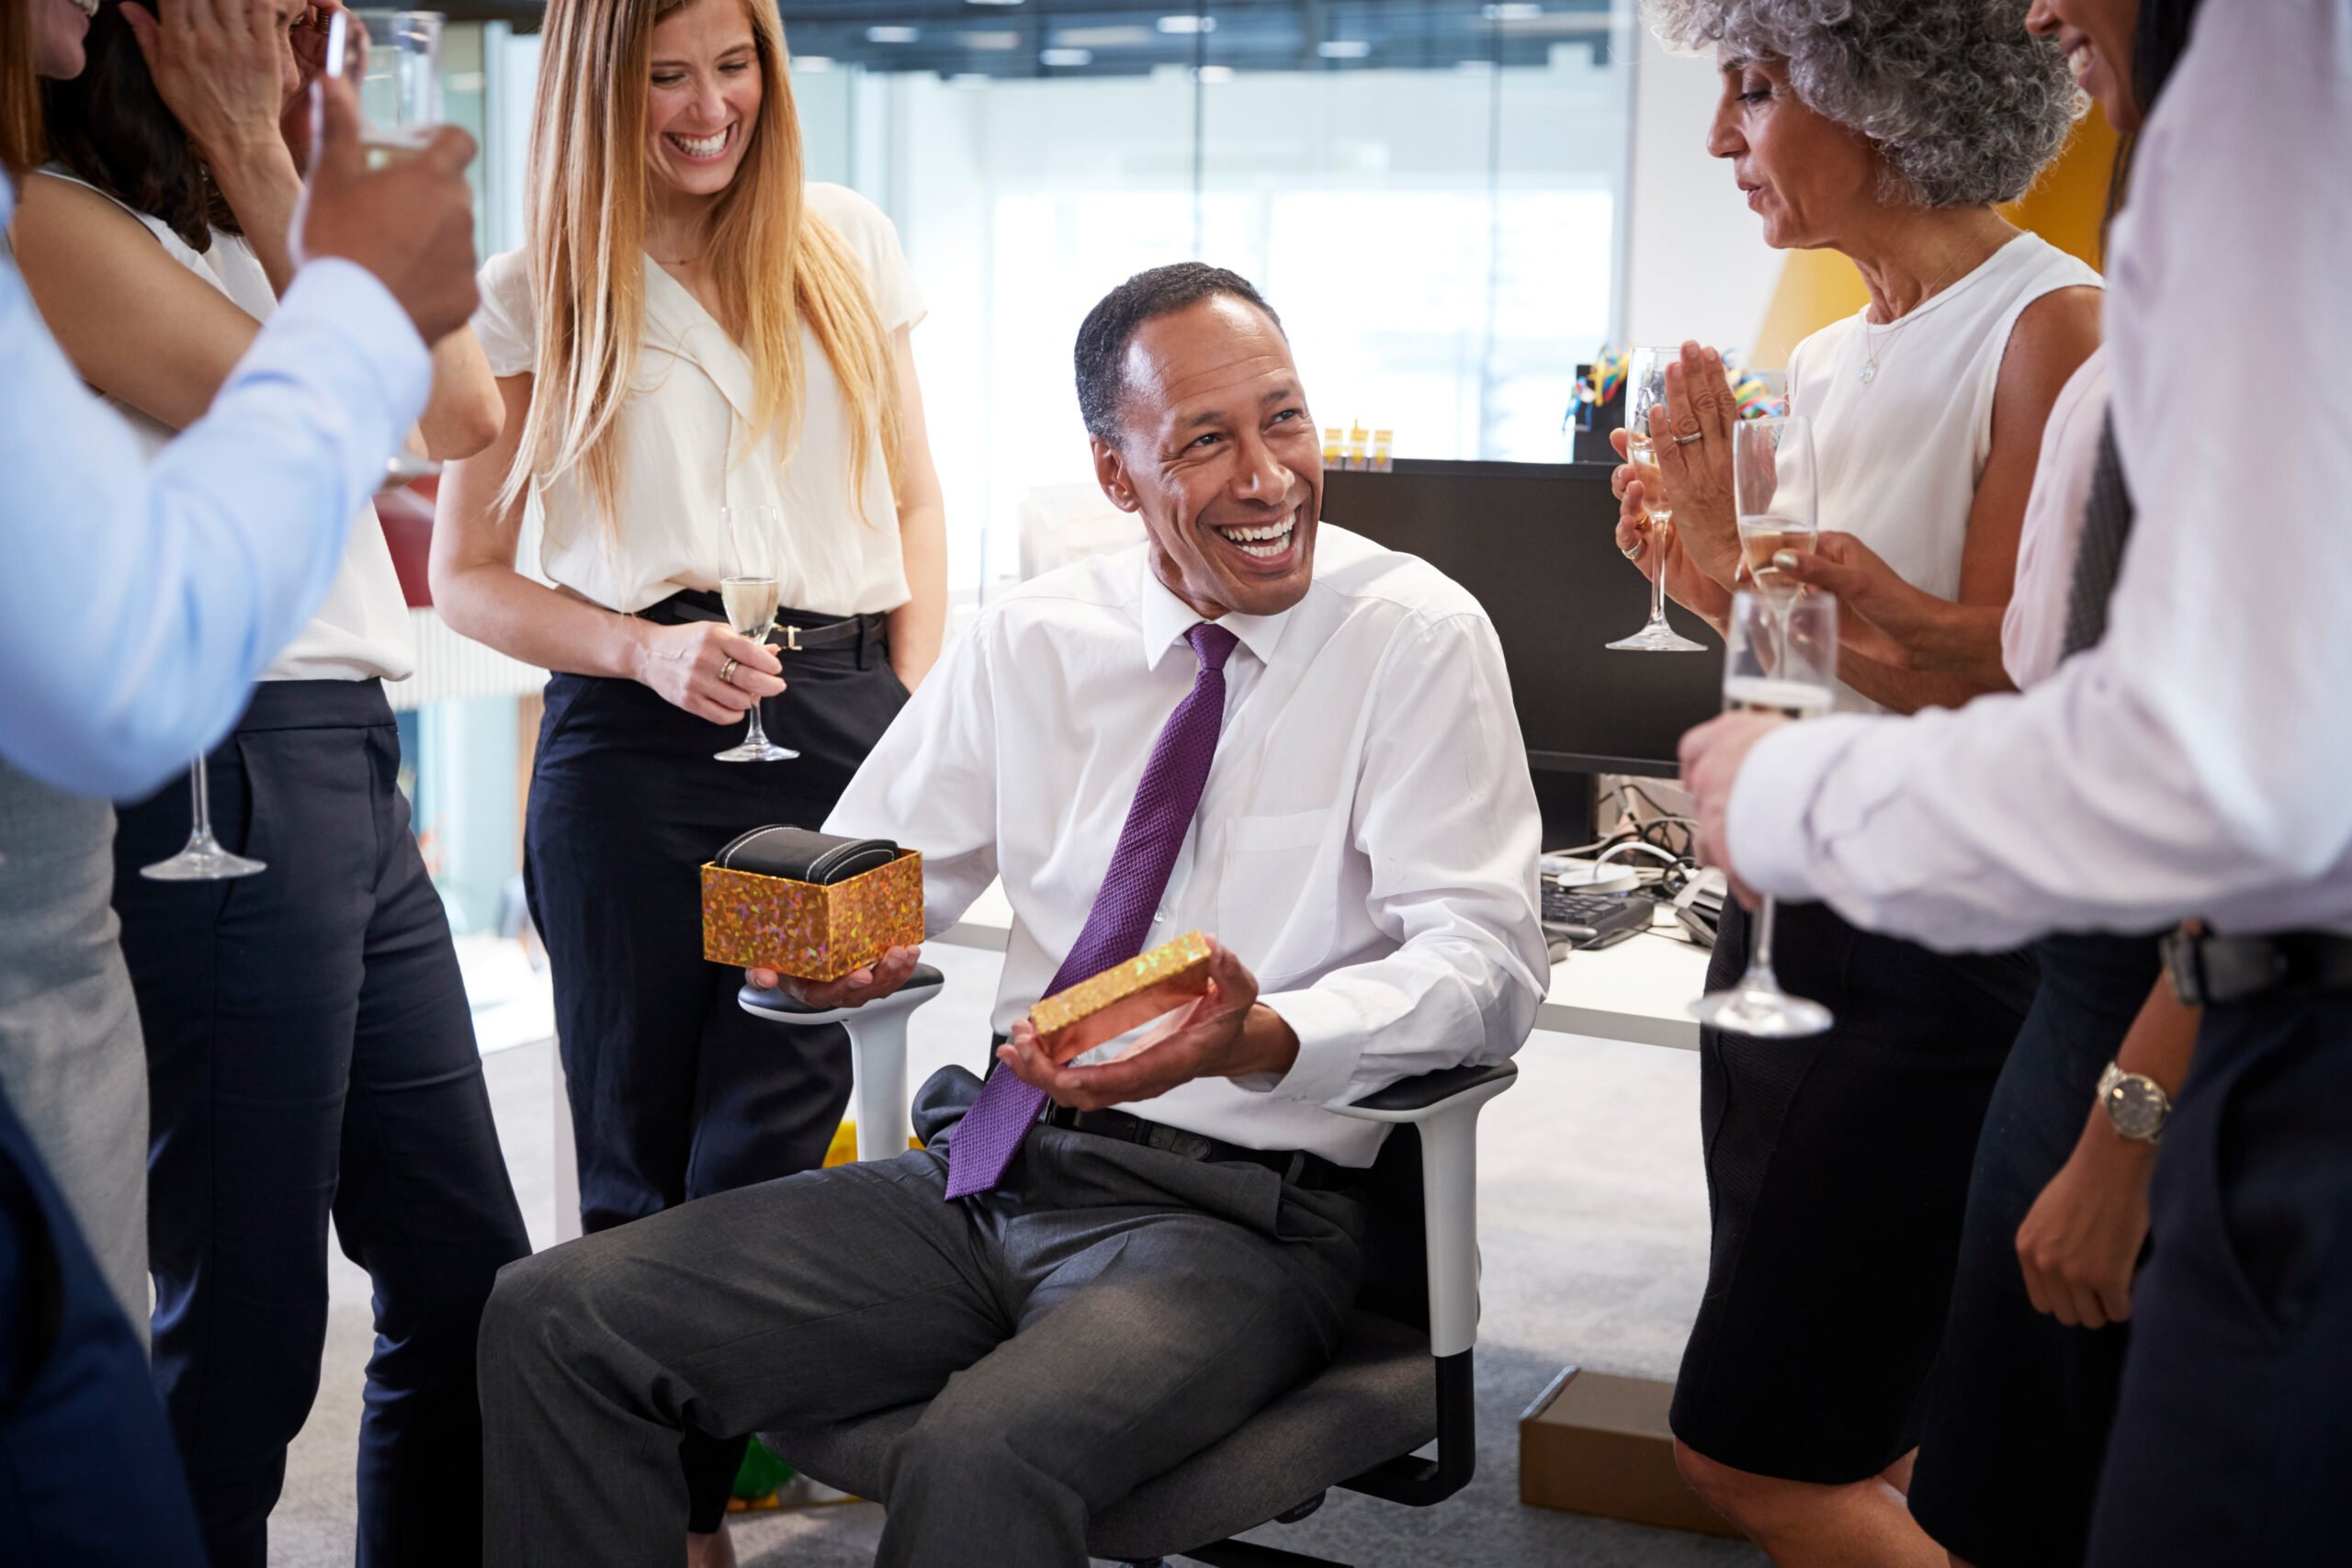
2136 1107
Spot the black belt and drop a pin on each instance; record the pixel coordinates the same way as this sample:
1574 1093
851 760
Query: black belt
1293 1166
2211 970
852 631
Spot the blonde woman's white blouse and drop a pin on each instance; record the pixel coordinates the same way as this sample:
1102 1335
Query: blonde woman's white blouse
682 435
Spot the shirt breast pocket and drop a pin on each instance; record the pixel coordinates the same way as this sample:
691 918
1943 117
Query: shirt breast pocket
1275 900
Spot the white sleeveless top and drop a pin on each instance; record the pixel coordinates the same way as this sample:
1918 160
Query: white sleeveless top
361 630
1901 453
681 433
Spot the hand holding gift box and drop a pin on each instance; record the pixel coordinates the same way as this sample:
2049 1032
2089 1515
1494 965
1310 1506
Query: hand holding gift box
1071 1022
809 905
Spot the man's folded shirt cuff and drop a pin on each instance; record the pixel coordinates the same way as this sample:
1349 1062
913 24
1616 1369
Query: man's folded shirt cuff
1767 822
1331 1040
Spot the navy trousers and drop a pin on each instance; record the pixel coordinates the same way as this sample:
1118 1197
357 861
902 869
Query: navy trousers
675 1092
310 1053
2231 1443
87 1473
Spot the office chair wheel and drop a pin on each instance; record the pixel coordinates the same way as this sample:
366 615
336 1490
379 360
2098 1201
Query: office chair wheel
1302 1510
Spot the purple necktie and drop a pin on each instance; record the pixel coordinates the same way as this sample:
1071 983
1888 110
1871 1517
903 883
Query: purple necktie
992 1131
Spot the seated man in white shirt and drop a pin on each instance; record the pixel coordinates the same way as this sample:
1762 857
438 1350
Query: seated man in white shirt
1252 725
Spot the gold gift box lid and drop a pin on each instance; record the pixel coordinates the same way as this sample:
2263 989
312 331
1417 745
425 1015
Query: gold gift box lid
1123 996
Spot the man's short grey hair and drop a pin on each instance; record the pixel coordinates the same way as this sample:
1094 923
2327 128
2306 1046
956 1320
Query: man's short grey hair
1964 105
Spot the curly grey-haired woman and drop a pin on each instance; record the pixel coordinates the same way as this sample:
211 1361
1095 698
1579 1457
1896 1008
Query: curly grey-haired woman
1839 1167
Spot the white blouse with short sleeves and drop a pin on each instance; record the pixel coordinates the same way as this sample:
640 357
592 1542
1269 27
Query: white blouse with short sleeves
361 630
681 458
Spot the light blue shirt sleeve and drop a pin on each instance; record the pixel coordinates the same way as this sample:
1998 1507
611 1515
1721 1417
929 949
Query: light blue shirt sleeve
139 600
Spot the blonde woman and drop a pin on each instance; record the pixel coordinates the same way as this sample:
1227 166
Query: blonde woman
689 328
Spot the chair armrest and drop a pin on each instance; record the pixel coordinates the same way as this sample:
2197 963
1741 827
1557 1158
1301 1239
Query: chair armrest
1444 1105
877 1046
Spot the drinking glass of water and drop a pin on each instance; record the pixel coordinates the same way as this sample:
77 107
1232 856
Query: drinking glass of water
749 597
1646 390
394 58
1780 657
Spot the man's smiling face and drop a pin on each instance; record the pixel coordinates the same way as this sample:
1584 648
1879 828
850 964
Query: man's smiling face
1217 453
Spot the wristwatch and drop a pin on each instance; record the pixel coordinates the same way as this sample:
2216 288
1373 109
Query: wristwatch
2136 1105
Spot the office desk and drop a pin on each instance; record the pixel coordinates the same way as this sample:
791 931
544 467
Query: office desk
1638 990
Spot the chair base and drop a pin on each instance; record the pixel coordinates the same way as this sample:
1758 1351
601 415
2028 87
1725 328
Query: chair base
1243 1554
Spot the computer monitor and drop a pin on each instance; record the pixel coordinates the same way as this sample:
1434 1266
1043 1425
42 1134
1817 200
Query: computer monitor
1535 543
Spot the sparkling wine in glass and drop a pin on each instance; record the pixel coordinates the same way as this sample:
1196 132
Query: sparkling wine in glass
749 598
1780 657
202 858
394 57
1646 390
1776 485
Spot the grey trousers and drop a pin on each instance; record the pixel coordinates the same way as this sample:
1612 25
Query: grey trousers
71 1061
1107 1311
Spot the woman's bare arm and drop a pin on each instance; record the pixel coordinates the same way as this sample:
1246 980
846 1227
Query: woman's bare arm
141 327
919 626
481 595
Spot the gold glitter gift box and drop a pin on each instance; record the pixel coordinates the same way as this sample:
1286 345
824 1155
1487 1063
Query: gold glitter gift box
807 931
1073 1022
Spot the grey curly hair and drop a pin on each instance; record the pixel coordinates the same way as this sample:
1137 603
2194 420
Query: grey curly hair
1963 104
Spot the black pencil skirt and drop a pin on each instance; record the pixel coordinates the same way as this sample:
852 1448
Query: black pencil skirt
1838 1171
2019 1409
676 1092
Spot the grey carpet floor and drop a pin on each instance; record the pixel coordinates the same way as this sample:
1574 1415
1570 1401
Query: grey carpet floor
1593 1228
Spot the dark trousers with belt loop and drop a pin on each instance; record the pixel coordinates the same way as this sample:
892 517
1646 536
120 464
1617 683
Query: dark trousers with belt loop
2231 1443
675 1092
310 1053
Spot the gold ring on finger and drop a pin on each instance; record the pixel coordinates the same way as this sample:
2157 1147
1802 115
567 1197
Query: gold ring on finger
1686 440
727 672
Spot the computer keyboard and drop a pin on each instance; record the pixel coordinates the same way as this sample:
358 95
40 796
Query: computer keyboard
1594 920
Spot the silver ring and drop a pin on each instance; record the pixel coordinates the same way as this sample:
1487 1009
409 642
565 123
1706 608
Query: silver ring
727 672
1633 551
1686 440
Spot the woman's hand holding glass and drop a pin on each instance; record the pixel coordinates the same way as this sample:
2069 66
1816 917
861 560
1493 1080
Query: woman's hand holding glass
687 666
1647 547
1893 623
1694 459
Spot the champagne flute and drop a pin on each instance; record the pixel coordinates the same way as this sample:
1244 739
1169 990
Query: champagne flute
394 59
1646 390
1776 485
749 597
1780 657
202 858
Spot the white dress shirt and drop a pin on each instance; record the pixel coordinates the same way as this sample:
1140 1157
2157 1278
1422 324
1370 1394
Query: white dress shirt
2033 629
2198 762
140 598
682 439
360 630
1366 842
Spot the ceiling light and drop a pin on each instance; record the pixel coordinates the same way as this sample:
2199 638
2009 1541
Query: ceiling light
1008 38
892 35
1194 23
1511 11
1066 57
996 2
1344 48
812 63
1215 74
1102 38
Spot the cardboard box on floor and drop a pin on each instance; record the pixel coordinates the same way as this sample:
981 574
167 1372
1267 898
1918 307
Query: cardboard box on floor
1595 1444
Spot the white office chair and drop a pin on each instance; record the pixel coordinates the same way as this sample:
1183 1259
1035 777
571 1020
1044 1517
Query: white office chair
1401 1379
